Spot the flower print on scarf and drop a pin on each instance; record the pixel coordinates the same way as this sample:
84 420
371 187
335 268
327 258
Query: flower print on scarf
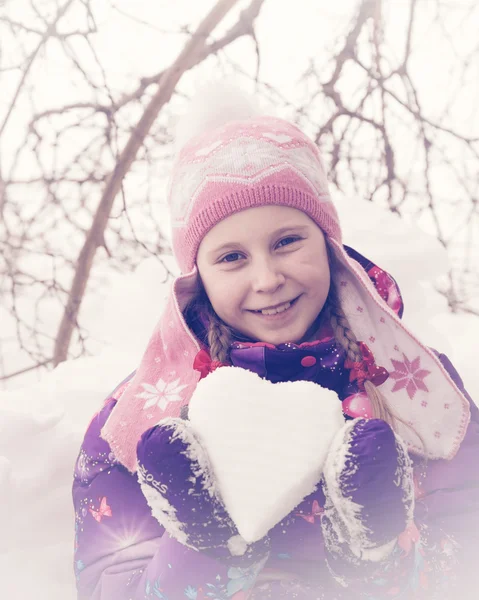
161 394
387 288
409 375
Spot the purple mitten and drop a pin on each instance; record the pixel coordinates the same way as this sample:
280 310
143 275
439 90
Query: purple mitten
368 484
177 481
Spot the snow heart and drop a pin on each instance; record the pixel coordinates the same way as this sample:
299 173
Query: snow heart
267 442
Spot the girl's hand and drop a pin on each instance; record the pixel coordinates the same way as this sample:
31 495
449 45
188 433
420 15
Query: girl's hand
368 484
179 485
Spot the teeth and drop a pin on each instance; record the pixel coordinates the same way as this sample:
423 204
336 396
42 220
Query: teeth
274 311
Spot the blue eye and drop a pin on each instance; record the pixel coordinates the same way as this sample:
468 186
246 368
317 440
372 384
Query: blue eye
287 241
231 257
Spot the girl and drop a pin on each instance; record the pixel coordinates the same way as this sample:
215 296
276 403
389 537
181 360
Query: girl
268 286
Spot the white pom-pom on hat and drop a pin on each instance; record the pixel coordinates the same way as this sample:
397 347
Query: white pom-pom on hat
214 103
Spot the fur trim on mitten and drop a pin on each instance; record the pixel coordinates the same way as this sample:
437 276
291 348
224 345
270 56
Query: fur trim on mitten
368 484
178 483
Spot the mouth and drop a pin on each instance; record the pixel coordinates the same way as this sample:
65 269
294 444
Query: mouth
276 309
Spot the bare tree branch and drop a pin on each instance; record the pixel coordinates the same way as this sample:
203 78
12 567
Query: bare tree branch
49 31
196 49
363 98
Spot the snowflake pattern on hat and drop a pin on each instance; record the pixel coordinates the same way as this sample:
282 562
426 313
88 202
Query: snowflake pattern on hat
246 162
242 164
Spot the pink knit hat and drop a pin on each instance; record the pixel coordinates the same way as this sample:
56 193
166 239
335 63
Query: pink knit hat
242 164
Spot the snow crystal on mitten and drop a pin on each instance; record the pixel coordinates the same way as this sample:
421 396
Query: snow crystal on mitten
178 483
369 489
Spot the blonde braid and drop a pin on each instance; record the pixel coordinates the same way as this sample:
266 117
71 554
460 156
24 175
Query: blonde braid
345 336
219 338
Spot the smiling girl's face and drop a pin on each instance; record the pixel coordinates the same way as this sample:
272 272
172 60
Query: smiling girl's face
266 272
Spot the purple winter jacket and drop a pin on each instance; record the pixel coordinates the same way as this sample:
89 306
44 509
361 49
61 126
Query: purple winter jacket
122 553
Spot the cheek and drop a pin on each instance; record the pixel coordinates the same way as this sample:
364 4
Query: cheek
325 276
223 293
313 272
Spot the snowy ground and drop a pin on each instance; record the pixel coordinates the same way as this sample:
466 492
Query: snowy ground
41 426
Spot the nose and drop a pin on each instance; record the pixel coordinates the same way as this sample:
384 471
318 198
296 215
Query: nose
267 277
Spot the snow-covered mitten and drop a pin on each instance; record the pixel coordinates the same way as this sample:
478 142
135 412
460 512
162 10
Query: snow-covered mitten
369 490
178 483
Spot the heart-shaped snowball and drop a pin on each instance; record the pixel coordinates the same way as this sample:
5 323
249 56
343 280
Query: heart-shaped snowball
267 442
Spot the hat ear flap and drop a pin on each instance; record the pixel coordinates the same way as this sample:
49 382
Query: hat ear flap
431 412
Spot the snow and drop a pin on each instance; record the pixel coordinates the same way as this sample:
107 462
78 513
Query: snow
267 442
163 512
201 468
41 430
357 534
41 425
